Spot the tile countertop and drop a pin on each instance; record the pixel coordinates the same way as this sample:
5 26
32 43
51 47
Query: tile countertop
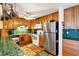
10 48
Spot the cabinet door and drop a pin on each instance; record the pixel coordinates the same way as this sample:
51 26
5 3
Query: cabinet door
68 18
76 16
70 47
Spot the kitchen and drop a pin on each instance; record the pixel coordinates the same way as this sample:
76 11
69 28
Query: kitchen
26 36
32 29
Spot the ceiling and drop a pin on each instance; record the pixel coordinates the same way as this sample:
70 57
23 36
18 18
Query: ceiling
41 9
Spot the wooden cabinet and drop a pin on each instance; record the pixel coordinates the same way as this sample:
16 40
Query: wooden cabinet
71 18
4 33
41 40
25 39
70 47
68 19
55 16
76 16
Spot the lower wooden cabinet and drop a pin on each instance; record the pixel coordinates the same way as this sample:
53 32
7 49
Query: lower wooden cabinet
70 47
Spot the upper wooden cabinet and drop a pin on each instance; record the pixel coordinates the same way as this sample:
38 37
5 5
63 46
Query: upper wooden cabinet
55 16
15 22
76 17
71 18
68 18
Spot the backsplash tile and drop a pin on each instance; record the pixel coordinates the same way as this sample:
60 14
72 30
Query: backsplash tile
72 34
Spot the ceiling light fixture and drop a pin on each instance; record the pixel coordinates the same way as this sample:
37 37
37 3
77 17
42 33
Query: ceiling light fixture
30 17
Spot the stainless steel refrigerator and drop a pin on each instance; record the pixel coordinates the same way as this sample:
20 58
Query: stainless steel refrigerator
51 37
